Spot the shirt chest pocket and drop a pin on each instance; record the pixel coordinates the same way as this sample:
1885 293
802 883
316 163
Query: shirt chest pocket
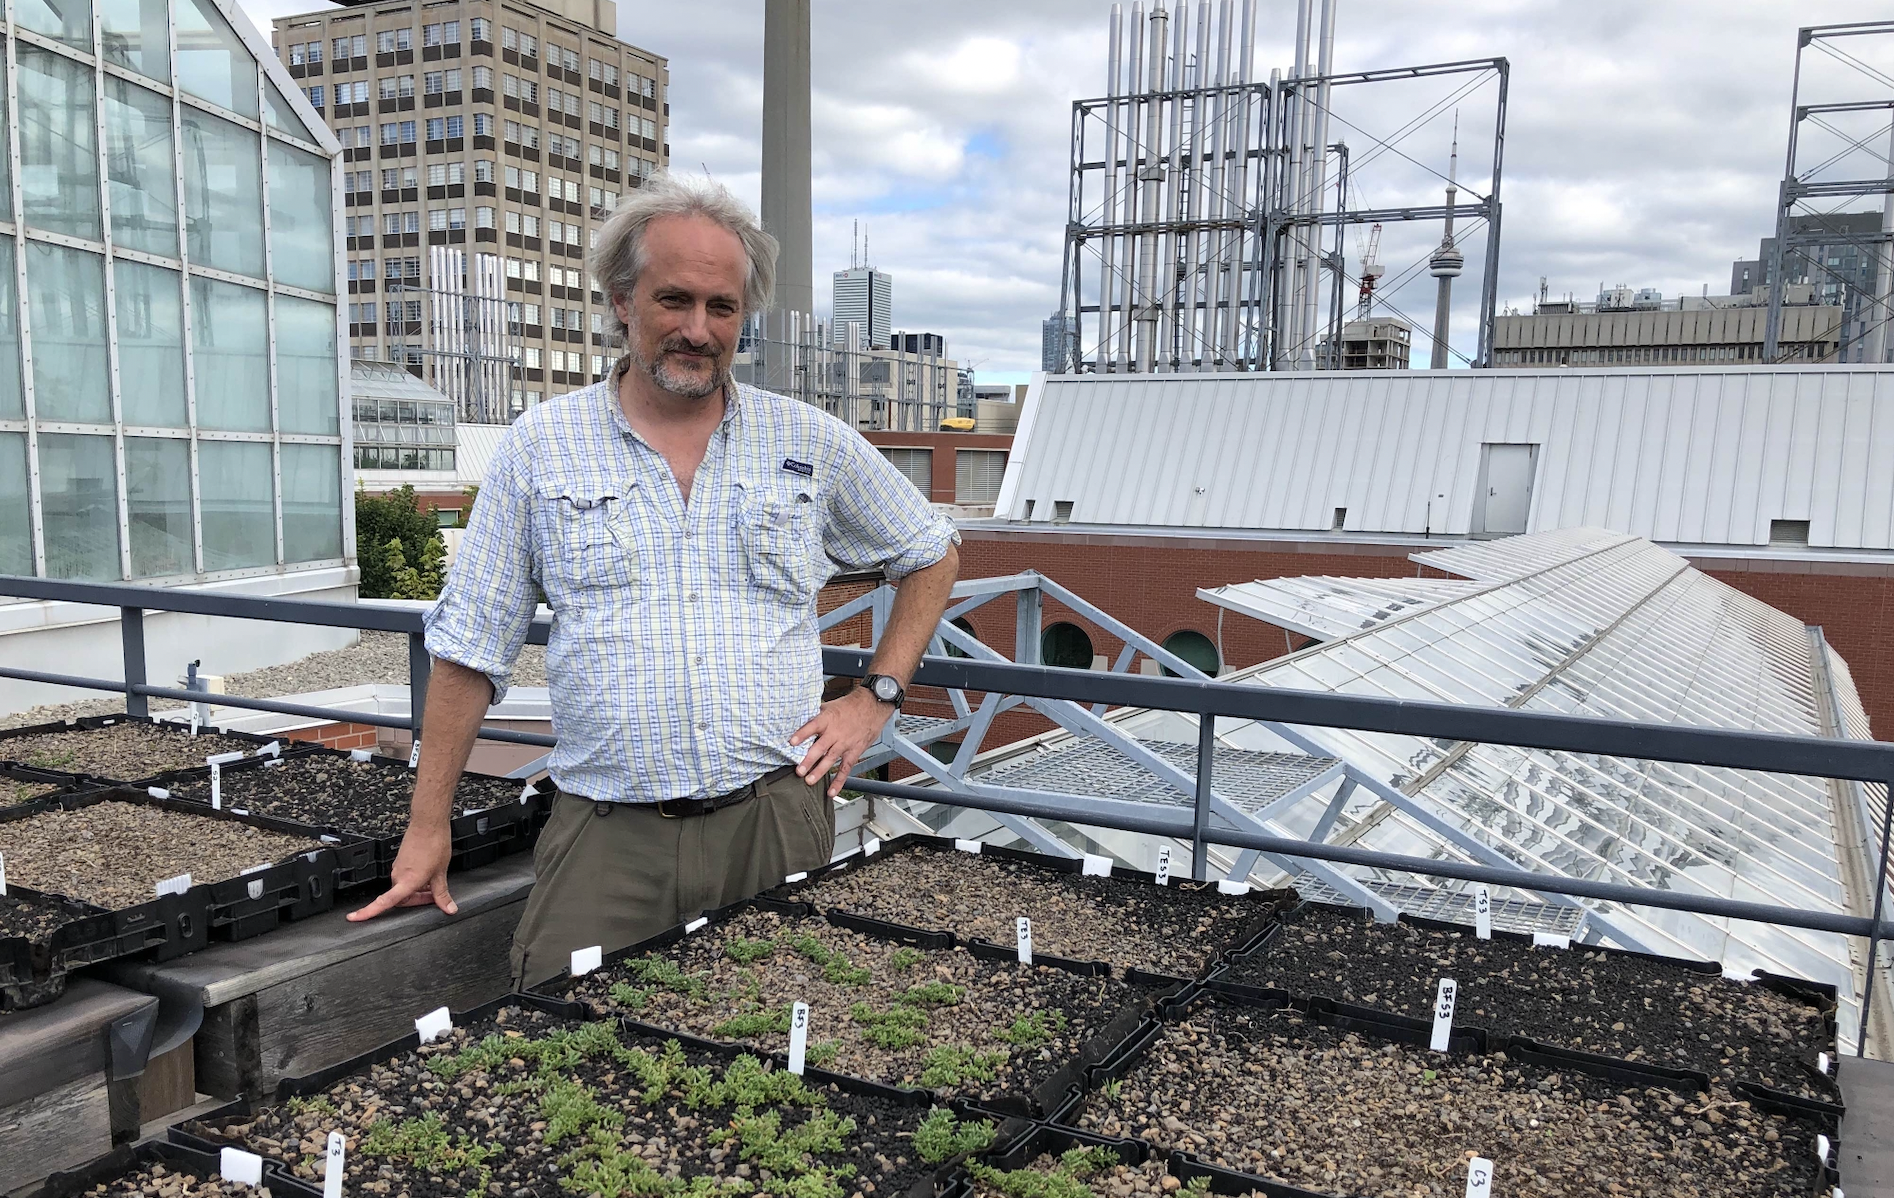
781 538
587 538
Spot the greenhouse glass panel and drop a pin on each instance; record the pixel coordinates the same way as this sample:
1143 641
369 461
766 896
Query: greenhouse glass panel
16 527
65 295
158 501
141 168
277 113
68 21
133 35
213 63
231 356
223 194
302 220
79 500
12 394
150 305
312 503
307 399
238 503
59 155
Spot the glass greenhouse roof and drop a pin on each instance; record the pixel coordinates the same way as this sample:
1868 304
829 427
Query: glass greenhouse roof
1579 622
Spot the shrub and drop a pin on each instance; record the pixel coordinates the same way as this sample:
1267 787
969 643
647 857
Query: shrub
417 564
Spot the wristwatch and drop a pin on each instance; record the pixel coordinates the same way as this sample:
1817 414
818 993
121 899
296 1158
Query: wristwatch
885 689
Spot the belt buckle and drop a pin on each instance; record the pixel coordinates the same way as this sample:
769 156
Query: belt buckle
662 813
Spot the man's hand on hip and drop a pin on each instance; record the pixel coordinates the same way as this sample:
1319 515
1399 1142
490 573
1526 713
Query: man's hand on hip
838 736
419 876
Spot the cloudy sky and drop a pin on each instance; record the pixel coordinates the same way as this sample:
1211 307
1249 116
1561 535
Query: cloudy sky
1644 141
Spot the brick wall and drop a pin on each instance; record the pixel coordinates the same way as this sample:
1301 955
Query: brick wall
338 736
944 447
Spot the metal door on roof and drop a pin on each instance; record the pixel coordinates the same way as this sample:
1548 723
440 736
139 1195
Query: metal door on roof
916 465
1505 502
977 475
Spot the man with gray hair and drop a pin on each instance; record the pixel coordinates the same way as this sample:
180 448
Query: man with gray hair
680 525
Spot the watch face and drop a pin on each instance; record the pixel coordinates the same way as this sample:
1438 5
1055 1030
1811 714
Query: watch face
886 689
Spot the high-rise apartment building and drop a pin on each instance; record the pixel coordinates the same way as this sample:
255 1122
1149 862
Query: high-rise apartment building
862 296
1840 266
483 144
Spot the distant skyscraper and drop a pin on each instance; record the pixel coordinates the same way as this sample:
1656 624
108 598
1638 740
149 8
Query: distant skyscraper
1058 344
863 295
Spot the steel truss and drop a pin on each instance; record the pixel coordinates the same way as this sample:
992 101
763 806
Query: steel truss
1335 781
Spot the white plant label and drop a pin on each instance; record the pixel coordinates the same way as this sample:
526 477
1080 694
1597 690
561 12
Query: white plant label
1821 1058
433 1025
1550 940
585 960
3 874
177 885
871 846
1164 866
273 749
694 924
798 876
360 755
255 888
332 1169
157 792
798 1036
224 758
216 786
526 792
244 1168
1821 1148
193 719
1228 887
1443 1014
1096 867
1479 1178
1482 912
414 755
967 846
1025 941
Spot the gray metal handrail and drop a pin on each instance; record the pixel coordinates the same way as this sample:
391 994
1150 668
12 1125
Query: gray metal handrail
1868 761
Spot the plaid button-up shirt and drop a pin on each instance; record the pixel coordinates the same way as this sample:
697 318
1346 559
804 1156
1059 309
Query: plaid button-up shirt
684 648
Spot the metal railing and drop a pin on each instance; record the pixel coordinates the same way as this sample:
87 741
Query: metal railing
1855 760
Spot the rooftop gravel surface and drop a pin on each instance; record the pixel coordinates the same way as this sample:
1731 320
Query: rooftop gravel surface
946 1021
1274 1094
524 1104
1621 1005
370 798
127 752
1176 930
113 854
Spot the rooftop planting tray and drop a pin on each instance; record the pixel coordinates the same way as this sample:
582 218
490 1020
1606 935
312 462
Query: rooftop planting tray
522 1096
122 749
1124 919
1682 1014
908 1011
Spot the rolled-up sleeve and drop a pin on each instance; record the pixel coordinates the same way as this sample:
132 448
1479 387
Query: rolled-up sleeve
877 519
487 604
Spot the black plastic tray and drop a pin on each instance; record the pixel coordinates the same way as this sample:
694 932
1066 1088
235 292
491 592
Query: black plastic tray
478 837
66 781
34 974
87 780
177 1156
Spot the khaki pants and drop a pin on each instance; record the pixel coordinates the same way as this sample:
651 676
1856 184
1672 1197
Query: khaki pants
613 874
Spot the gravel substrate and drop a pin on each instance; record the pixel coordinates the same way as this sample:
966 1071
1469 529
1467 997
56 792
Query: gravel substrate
364 797
112 854
14 792
946 1021
1273 1094
128 752
158 1180
526 1105
1620 1005
1176 930
35 918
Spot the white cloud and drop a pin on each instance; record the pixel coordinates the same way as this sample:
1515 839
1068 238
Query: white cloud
1644 140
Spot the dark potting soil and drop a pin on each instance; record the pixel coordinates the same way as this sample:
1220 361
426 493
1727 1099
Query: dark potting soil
1178 929
1274 1094
525 1104
35 917
127 752
364 797
945 1021
1620 1005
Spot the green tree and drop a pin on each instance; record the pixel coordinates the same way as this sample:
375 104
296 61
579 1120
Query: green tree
392 531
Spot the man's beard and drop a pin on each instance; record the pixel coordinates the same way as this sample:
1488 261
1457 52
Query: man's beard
683 386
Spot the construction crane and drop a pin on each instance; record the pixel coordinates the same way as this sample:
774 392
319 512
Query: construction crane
1371 269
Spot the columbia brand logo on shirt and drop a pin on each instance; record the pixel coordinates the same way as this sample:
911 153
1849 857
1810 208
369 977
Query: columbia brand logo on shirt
802 468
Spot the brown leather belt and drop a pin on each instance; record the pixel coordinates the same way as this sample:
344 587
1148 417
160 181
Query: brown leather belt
687 808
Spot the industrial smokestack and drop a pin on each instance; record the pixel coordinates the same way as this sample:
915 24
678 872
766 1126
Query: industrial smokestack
786 170
1447 261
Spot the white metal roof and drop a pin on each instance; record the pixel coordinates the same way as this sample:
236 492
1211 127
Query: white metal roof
1697 457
